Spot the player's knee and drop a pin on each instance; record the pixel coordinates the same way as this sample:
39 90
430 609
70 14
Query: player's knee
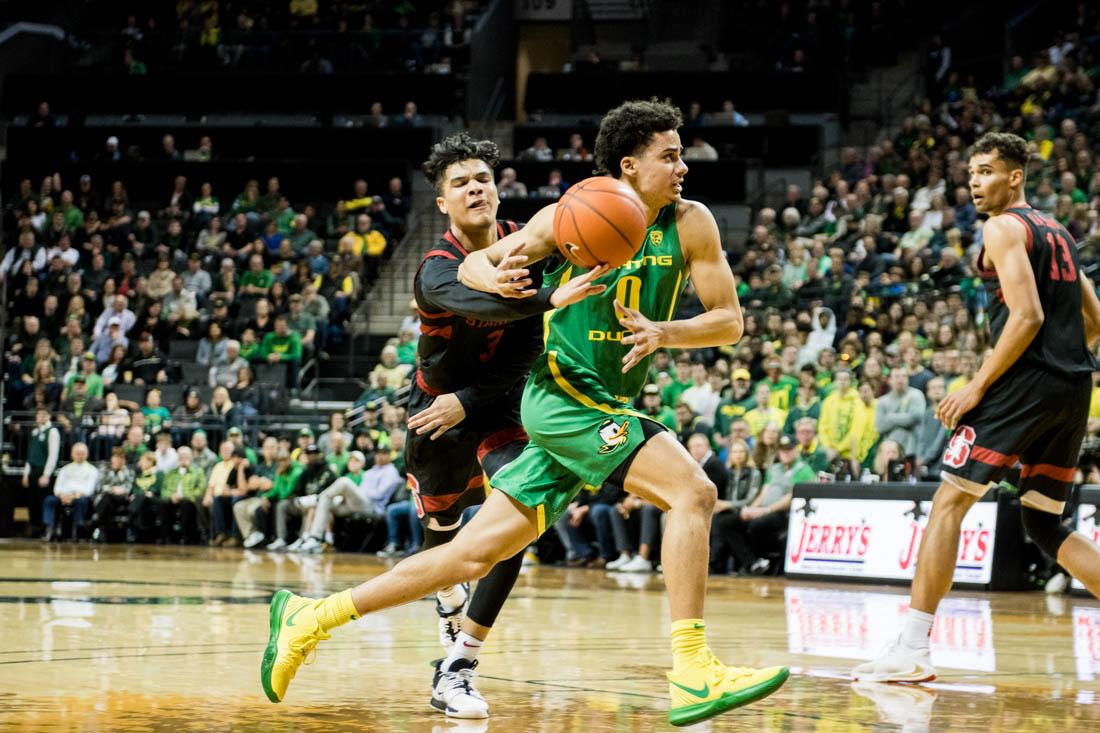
950 498
700 494
1045 530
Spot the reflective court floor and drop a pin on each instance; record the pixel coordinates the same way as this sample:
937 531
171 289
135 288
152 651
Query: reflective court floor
169 639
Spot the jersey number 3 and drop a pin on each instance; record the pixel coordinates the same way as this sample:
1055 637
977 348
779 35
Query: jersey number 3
958 450
1061 262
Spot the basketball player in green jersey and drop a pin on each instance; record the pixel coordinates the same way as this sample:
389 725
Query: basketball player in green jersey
576 411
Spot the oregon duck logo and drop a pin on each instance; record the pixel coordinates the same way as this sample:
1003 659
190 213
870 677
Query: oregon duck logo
656 237
613 434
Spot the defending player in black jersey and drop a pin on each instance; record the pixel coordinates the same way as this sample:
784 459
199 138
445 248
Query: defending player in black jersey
1028 403
474 351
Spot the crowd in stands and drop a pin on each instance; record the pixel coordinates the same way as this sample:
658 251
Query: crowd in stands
862 311
165 330
287 35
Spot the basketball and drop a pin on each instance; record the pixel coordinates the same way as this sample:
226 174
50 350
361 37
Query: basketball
599 221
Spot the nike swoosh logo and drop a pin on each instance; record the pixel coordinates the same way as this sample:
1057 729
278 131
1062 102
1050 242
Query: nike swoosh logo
290 618
472 646
701 693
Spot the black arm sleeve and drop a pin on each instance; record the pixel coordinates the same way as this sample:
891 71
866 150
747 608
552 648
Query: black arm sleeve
519 347
440 287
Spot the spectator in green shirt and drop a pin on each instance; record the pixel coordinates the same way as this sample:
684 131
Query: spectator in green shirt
157 417
734 407
92 381
302 323
783 386
236 436
257 281
337 458
681 380
283 345
144 505
655 409
181 496
805 434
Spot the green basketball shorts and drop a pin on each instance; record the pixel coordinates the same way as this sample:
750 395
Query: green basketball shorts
578 436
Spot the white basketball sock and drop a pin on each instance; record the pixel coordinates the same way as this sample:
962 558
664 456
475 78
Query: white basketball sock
916 629
465 647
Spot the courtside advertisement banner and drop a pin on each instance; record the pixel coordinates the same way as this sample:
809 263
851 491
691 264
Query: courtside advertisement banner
859 624
1088 524
1086 642
879 539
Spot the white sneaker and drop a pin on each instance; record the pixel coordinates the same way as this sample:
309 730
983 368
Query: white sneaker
618 563
278 545
389 550
899 663
296 545
1057 584
330 538
253 539
637 564
312 546
450 622
453 692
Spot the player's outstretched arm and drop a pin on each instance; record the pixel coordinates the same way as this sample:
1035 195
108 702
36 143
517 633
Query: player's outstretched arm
501 268
1005 246
1090 309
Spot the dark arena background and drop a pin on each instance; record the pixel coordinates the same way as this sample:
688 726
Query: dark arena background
212 216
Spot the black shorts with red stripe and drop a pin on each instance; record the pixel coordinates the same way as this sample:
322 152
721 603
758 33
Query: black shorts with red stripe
446 476
1030 416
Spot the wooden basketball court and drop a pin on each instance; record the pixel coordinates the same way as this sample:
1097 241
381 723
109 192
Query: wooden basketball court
169 639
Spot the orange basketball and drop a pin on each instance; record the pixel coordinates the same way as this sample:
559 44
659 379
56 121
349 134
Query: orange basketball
600 221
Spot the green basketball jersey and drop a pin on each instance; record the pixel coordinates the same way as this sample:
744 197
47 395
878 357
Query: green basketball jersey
584 340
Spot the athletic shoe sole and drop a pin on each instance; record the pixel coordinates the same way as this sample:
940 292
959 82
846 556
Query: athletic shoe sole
441 707
275 618
901 679
691 714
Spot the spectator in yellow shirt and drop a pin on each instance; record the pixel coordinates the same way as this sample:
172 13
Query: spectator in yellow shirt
764 412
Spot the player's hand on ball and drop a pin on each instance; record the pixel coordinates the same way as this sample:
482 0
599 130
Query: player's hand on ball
957 404
579 288
644 336
512 278
443 414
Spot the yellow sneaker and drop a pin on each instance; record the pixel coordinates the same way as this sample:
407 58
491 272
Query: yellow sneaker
295 632
708 690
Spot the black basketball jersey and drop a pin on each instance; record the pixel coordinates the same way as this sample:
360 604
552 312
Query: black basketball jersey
1059 346
472 343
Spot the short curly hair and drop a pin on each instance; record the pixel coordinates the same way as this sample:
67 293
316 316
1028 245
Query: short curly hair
457 148
1011 148
629 127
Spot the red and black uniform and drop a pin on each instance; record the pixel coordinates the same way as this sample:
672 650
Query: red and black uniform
479 346
1037 412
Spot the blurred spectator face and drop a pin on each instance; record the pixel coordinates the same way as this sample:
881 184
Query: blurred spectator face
762 394
698 446
281 328
256 263
225 450
843 381
899 380
739 430
866 393
118 461
184 456
805 434
936 390
135 436
198 442
684 415
698 373
683 371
